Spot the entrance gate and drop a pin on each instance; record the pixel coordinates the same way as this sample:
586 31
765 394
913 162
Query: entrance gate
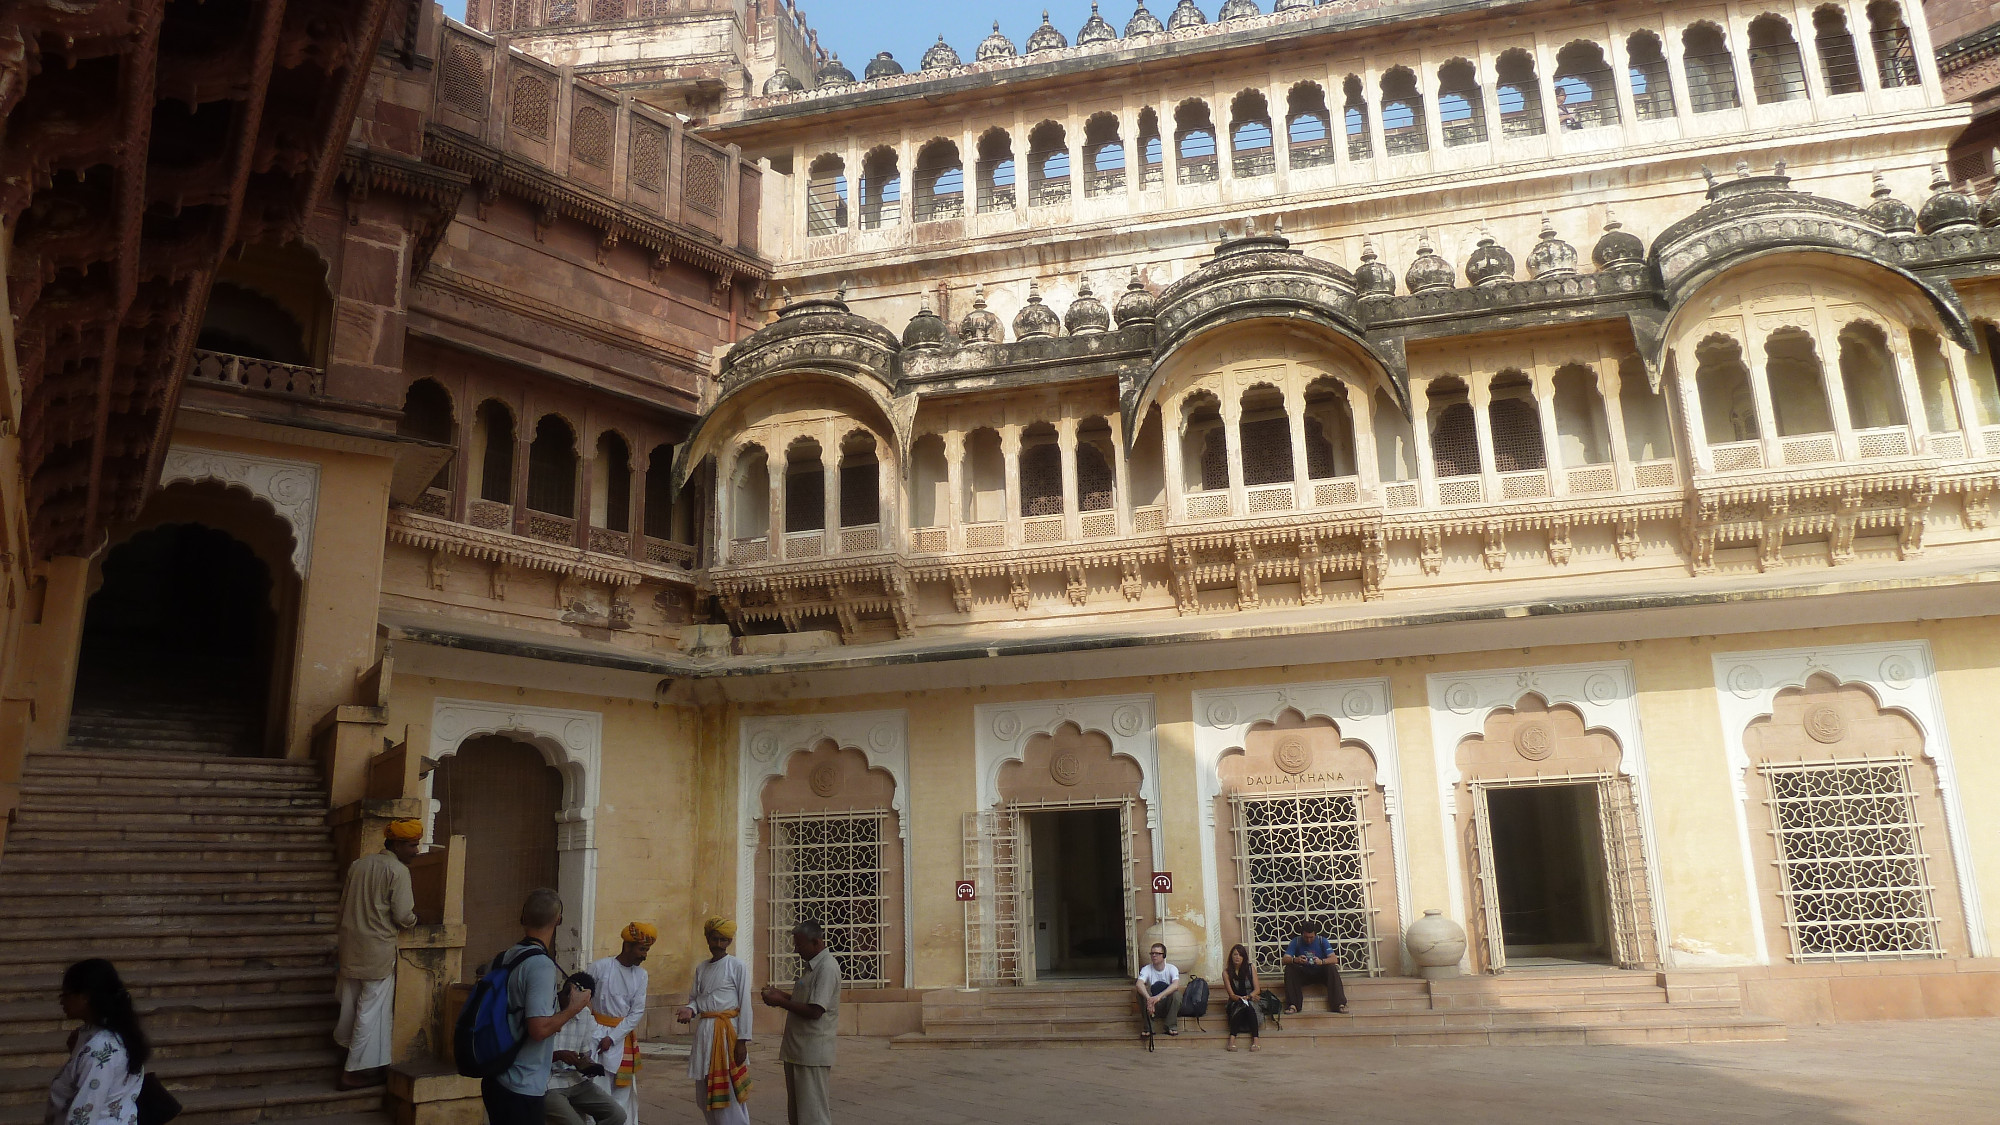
999 921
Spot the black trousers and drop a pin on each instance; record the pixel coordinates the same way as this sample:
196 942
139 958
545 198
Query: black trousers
1298 976
505 1107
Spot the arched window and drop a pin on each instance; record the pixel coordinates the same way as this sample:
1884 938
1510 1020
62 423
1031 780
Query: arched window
1585 96
826 196
493 452
1104 152
1777 74
1454 431
1264 434
1041 471
1204 447
239 320
1648 434
1895 51
660 494
1797 382
996 171
1983 370
1868 375
1096 480
611 484
1251 151
1329 431
1838 62
930 483
1194 143
805 487
750 506
1934 383
1307 133
1048 165
1402 114
552 468
940 182
1728 406
1461 106
1581 437
881 189
1652 83
1516 424
985 480
1354 115
1711 73
860 481
1520 94
427 417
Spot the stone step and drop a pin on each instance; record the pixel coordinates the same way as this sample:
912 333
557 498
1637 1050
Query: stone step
298 954
144 796
252 1009
248 1069
106 873
174 1043
45 827
135 763
207 746
296 1103
99 937
320 850
162 895
114 783
152 819
167 985
174 912
1713 1029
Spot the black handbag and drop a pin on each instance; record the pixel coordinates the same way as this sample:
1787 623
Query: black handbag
155 1104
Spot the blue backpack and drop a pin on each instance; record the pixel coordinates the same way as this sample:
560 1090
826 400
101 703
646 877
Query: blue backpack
483 1043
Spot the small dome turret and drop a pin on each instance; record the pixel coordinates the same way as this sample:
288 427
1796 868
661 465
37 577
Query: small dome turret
1095 30
1292 5
981 325
1429 271
1373 278
1185 15
1046 37
1238 10
1551 257
883 65
1618 248
1490 263
1948 208
782 82
941 56
1989 212
1035 318
1087 315
1891 214
831 73
1143 22
925 332
1137 305
996 46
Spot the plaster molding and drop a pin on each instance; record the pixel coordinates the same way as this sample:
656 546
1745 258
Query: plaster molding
765 747
1001 732
290 488
1364 713
1901 677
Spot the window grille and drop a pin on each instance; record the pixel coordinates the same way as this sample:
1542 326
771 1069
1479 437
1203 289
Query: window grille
1895 56
805 500
1267 451
1251 151
1152 160
1850 864
994 855
996 184
1319 452
828 868
1455 442
1095 480
860 496
1041 480
1652 83
1359 146
1711 78
1517 436
1214 460
1197 162
826 205
1777 74
1520 95
1588 102
1838 62
1107 170
1306 140
1302 856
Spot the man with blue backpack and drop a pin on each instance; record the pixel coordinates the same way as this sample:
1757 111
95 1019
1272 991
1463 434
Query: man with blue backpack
505 1035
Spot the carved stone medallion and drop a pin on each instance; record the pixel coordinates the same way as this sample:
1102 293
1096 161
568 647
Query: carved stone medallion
1066 768
825 779
1824 724
1534 741
1292 756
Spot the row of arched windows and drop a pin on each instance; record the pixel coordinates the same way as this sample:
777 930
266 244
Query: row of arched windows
804 502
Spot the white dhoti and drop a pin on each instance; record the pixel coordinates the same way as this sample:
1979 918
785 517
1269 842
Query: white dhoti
735 1113
367 1021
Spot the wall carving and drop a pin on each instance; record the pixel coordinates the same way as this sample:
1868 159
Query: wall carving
1001 732
701 183
290 488
531 106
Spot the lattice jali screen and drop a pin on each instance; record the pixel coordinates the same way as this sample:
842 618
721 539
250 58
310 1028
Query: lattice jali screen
1304 856
649 158
829 868
1850 864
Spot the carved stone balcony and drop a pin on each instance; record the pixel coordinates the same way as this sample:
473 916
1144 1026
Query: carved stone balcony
263 376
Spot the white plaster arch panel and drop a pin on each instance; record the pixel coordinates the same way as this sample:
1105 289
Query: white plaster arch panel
1605 694
1001 732
572 742
1902 677
1363 711
291 488
765 746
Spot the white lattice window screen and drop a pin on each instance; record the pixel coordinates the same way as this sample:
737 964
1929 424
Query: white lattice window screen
1851 866
996 861
1626 869
1300 856
828 868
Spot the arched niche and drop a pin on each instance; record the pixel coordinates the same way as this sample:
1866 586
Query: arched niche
800 395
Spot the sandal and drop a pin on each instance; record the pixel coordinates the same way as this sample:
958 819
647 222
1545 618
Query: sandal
1229 1046
1174 1031
1253 1044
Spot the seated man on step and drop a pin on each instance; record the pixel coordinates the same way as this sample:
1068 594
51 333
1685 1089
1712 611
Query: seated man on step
573 1099
1159 989
1309 959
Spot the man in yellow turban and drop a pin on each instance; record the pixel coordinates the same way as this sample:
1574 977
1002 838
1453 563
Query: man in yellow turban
720 1000
619 1005
375 903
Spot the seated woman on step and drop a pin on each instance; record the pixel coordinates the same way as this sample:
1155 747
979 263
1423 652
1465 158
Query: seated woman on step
1159 991
100 1083
1239 979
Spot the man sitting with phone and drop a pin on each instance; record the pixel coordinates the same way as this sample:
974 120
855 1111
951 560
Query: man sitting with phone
573 1099
1308 960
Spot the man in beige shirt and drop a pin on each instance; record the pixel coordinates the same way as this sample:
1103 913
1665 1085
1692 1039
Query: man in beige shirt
375 903
812 1025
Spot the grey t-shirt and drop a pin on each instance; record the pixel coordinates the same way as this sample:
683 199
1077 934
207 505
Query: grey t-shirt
811 1042
531 992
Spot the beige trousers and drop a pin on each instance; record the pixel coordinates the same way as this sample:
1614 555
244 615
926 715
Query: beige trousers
808 1094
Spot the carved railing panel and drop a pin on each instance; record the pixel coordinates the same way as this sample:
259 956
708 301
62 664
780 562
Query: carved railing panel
246 373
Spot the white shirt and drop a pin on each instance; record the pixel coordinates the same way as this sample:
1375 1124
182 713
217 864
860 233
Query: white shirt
718 987
620 995
96 1086
578 1035
1166 974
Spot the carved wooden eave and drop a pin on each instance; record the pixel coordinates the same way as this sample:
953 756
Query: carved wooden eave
845 590
436 192
429 533
1836 504
552 195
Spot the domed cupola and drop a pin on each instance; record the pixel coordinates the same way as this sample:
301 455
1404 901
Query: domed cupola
782 82
1035 318
883 65
1046 37
996 46
1429 272
1948 208
1989 212
981 325
1143 22
1293 5
925 332
1490 262
1551 257
1891 214
1373 278
1186 15
1137 305
1087 315
1238 10
941 56
1095 30
831 73
1618 248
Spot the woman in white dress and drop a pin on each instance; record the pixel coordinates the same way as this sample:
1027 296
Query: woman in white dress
720 1001
99 1085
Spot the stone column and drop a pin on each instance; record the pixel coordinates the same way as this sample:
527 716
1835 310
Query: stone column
829 479
1072 510
1673 50
635 514
1367 457
1428 97
954 475
1420 440
520 483
1545 77
1295 424
1232 441
1911 390
1611 388
1834 386
1121 480
585 492
1479 393
774 521
1760 393
1699 439
1170 460
1968 405
1010 456
1545 409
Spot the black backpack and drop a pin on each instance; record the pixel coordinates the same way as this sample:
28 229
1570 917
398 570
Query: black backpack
1194 1001
1269 1004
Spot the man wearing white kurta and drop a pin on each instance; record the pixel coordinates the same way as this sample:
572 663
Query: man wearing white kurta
375 902
620 1006
719 1003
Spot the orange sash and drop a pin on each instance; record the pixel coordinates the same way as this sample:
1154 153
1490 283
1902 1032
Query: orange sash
723 1073
628 1060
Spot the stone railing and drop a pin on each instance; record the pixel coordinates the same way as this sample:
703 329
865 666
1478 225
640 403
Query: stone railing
246 373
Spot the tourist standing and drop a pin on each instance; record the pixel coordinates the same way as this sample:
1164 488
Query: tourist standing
812 1024
573 1099
375 903
515 1096
99 1084
1239 981
619 1005
1159 988
720 999
1308 960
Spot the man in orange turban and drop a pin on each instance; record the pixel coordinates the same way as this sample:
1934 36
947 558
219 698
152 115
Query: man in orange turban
619 1005
375 903
719 1006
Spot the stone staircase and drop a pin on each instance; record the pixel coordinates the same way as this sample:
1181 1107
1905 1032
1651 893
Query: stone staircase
210 881
1568 1006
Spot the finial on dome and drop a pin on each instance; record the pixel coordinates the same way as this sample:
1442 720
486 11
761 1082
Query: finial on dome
1742 167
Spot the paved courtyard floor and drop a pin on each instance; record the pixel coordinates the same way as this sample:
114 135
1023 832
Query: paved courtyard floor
1877 1074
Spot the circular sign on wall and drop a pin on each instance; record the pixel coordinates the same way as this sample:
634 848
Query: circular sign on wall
1824 724
1066 768
1534 741
825 779
1292 756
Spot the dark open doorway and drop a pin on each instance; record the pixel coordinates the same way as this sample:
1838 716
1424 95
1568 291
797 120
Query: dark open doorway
1548 855
503 798
1079 892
